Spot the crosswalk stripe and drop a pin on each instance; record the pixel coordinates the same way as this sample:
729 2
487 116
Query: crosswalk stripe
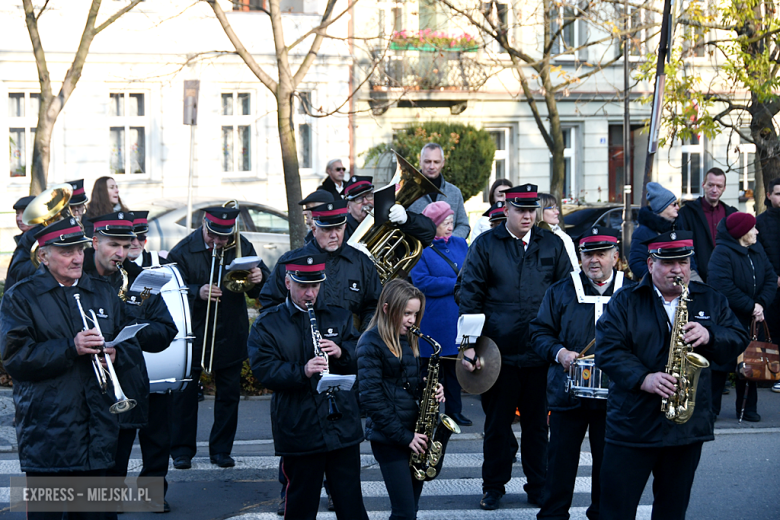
577 513
461 487
451 460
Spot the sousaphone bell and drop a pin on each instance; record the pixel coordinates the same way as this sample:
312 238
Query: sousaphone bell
47 208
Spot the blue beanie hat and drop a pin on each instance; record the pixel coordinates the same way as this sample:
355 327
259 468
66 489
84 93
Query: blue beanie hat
658 197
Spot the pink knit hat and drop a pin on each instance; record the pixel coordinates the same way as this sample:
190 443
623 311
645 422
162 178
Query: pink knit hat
438 211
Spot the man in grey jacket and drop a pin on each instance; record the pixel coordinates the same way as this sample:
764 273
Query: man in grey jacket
431 164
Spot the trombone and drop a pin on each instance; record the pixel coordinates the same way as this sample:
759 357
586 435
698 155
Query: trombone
214 255
104 377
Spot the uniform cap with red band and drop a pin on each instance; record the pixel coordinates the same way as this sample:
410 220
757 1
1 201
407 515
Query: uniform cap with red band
221 220
496 211
66 232
306 268
671 245
357 186
524 196
140 222
598 238
79 196
118 224
330 214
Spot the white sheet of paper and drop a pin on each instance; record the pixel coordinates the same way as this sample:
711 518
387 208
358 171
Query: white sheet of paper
128 332
336 381
245 263
470 325
152 279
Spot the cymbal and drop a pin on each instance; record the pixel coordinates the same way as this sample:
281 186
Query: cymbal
479 381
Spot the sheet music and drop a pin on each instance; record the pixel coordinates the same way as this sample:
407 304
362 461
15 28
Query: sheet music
245 263
152 279
128 332
336 381
470 325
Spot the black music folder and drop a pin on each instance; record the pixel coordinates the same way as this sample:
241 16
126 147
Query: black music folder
384 198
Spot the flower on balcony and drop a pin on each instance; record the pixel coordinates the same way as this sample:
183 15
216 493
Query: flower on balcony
428 40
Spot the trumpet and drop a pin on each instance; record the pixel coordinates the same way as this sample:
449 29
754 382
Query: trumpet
105 377
214 254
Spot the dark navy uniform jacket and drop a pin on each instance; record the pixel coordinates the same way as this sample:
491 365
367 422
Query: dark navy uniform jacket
280 345
632 341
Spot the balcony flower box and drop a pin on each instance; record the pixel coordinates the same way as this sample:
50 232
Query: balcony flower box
432 41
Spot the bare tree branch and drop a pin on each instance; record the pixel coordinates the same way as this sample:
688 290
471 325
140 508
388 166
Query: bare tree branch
38 16
113 18
322 27
315 45
40 56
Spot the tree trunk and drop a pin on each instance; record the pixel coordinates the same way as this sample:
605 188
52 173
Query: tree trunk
558 174
292 179
41 153
762 130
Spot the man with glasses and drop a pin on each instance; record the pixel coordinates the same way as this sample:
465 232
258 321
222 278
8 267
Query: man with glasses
334 183
359 193
193 256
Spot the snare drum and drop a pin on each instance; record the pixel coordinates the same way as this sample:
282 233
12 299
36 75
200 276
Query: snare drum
585 380
170 370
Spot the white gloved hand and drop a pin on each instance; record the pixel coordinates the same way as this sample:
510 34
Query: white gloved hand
398 214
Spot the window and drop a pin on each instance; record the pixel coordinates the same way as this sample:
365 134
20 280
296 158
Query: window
303 128
692 166
747 169
500 159
564 17
23 110
291 6
249 5
640 27
496 13
432 16
266 222
694 45
128 132
236 131
569 157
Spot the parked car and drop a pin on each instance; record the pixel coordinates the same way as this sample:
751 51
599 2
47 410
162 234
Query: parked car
265 227
578 219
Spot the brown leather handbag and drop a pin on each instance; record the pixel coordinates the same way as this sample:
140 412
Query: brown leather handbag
761 359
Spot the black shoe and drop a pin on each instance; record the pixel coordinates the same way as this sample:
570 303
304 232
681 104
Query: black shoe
330 504
223 460
490 500
182 462
280 509
751 417
166 508
461 419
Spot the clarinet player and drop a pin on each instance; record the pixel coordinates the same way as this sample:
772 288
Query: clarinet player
390 386
313 441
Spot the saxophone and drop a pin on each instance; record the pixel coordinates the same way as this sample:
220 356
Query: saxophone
683 364
436 426
125 282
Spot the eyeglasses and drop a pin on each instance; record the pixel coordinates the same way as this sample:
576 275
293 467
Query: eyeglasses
215 236
676 204
340 169
554 206
141 237
369 197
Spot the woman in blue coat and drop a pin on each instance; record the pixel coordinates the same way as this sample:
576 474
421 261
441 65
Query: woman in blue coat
435 275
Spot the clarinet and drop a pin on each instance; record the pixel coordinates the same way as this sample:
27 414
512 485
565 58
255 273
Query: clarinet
333 412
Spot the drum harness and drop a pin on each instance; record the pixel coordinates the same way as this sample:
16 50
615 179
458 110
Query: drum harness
600 300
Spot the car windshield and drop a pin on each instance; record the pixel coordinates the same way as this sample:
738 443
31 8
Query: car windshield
583 215
157 212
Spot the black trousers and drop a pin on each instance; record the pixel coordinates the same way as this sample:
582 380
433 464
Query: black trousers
184 431
526 389
71 515
304 480
449 380
154 438
625 471
719 383
402 488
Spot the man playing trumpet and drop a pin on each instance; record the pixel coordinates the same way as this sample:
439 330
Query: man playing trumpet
63 423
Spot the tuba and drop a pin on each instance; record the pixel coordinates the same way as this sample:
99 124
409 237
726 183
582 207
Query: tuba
434 425
392 252
47 208
683 364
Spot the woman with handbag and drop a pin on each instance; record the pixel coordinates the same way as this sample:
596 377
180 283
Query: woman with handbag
435 275
741 271
390 386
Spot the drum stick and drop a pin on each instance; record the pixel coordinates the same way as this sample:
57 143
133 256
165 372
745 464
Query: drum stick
593 342
588 357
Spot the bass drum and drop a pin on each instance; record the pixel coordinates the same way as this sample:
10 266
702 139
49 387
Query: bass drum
170 370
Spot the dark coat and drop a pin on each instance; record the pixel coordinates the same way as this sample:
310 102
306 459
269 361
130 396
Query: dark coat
389 389
768 225
155 337
650 225
507 285
562 322
280 345
744 276
352 281
194 263
21 266
62 418
632 341
417 226
691 218
436 279
330 186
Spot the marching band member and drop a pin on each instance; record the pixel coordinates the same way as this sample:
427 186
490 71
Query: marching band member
633 341
21 267
78 201
63 423
359 194
282 347
352 281
193 256
390 386
312 200
506 273
495 215
564 326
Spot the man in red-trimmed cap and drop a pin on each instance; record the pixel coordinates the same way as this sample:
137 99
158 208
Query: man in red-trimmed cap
563 328
193 256
633 341
506 273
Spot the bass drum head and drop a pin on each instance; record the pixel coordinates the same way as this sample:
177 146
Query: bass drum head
169 369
